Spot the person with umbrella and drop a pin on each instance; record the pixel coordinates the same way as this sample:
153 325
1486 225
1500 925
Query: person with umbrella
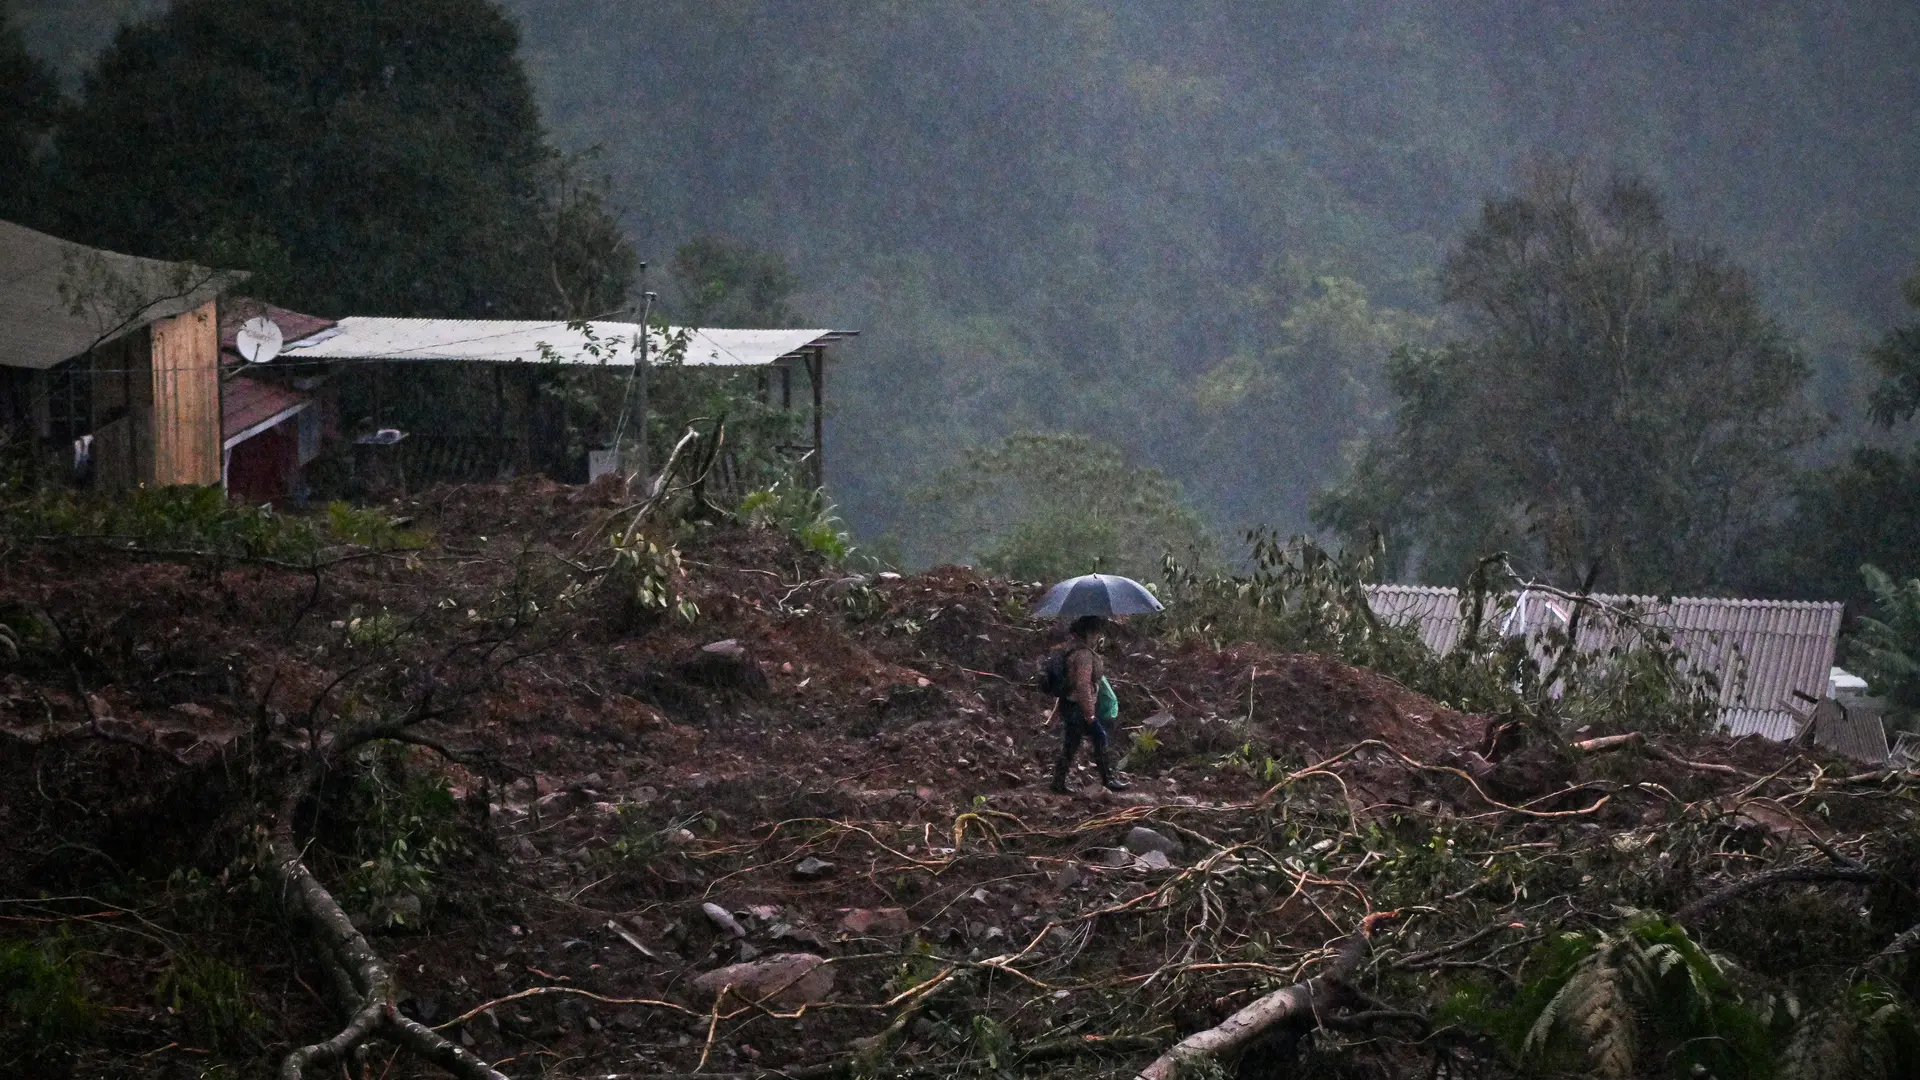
1076 675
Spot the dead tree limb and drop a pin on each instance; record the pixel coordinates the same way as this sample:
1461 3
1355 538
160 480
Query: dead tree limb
1728 893
368 978
1283 1005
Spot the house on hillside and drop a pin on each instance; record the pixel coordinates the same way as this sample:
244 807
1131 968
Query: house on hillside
109 364
1772 658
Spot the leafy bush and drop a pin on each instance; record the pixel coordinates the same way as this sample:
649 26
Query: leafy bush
646 574
805 514
403 827
45 1006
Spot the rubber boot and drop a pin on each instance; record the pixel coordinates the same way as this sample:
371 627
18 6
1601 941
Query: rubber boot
1107 779
1060 777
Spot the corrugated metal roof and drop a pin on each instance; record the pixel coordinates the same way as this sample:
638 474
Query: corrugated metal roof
1762 651
1855 729
58 298
517 341
294 325
250 406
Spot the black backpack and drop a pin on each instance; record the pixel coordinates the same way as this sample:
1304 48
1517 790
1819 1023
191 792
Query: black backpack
1052 679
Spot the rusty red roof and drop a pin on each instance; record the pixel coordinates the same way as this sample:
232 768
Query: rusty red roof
238 309
1764 652
249 406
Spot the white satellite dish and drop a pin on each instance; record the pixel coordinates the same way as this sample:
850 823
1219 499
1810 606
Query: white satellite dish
259 339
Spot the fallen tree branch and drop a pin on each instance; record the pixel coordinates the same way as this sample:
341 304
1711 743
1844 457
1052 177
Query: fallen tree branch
1281 1006
367 975
1732 891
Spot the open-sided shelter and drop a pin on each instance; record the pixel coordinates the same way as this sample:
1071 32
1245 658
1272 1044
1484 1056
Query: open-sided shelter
388 343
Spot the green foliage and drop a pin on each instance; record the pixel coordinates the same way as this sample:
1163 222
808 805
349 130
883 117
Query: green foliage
1046 507
403 828
214 998
804 514
724 283
1645 995
356 157
647 577
45 1005
1866 509
1298 597
1886 648
1621 403
1871 1033
28 100
197 521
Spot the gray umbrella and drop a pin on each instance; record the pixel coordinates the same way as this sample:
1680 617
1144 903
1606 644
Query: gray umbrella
1097 594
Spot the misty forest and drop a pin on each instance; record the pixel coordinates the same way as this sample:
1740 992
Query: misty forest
1512 413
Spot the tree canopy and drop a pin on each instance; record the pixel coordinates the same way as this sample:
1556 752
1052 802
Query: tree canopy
28 98
357 156
1041 507
1617 400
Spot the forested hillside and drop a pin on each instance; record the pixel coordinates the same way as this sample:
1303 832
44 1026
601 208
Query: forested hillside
1199 230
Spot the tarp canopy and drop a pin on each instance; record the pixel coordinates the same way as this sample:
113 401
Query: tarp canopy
523 341
58 298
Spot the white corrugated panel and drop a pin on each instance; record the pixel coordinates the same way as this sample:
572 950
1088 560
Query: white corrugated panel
535 341
1762 651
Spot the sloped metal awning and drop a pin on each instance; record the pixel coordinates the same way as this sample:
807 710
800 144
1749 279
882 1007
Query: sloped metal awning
1773 657
250 406
59 299
531 342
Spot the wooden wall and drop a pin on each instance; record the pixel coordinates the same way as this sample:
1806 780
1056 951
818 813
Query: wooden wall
122 394
186 398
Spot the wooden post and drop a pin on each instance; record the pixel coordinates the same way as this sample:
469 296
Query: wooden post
817 375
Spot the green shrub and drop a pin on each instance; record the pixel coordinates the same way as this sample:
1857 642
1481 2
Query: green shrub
45 1005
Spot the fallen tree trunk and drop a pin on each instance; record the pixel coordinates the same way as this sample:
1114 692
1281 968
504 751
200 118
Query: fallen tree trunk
1285 1004
366 976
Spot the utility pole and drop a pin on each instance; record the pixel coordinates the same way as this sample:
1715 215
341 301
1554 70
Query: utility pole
640 378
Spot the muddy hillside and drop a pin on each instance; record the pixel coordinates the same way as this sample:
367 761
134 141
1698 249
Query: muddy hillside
462 787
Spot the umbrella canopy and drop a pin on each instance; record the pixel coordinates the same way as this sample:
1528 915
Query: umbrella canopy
1097 594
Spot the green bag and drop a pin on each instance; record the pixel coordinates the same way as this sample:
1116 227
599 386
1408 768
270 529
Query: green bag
1107 708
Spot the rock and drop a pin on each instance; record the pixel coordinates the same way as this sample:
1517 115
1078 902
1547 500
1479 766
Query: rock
723 919
748 952
1155 860
1142 840
880 922
1066 877
812 869
727 665
786 980
1109 856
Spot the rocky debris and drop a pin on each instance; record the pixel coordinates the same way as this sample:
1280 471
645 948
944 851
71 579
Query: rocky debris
812 868
723 919
1108 856
786 980
727 665
1154 860
1141 840
880 922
